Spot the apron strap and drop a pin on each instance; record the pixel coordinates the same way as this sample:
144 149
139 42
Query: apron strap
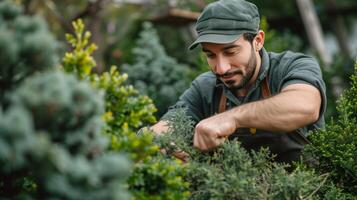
264 90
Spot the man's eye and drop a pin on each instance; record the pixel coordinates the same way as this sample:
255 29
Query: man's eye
230 53
209 55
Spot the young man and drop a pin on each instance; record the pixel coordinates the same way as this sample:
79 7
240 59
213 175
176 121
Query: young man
263 99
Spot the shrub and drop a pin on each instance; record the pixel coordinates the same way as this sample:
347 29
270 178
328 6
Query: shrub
335 147
230 172
154 177
155 73
51 146
53 138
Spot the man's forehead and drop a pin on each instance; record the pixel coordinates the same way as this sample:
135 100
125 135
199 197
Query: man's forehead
215 46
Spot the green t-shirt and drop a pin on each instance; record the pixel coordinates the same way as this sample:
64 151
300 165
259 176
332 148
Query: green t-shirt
201 99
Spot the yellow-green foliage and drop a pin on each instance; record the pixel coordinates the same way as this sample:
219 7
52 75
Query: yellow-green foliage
125 110
154 177
159 178
79 61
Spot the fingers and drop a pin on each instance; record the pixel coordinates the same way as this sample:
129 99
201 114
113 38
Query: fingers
183 156
205 141
212 132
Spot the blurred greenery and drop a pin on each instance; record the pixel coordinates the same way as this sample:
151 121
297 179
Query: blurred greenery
154 73
126 110
117 29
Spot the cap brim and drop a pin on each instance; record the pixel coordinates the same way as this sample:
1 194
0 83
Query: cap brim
214 38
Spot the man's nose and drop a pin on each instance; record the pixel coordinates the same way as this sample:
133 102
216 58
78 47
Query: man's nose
222 66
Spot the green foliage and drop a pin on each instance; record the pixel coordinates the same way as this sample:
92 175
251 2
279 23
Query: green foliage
336 78
125 112
54 138
64 108
230 172
79 61
278 42
159 178
51 145
155 73
26 47
335 147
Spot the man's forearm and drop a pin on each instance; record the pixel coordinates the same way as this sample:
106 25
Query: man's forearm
295 107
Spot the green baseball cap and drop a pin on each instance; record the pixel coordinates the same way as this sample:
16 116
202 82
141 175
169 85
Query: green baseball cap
225 21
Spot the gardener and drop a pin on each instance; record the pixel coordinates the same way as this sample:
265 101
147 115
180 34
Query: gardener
263 99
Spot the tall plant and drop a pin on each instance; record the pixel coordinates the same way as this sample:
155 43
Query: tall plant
51 146
155 73
154 177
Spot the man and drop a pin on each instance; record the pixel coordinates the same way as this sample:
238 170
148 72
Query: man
263 99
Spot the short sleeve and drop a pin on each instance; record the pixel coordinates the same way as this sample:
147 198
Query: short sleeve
306 70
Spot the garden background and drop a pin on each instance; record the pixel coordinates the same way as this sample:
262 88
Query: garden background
80 78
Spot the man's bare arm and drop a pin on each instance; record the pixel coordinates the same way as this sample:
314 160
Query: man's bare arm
296 106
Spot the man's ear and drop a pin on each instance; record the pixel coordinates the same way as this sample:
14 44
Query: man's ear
259 40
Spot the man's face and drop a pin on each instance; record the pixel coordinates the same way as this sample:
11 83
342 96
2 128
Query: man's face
234 64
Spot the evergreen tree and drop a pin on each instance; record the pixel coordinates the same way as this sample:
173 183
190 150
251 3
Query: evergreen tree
51 145
26 47
155 73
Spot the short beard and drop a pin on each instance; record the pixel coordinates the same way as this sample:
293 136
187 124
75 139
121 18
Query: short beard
252 65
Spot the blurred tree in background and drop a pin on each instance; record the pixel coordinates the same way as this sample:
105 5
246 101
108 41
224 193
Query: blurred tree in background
155 73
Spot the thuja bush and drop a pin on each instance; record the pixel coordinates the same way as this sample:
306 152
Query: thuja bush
154 176
51 145
125 110
230 172
51 135
155 73
334 148
26 47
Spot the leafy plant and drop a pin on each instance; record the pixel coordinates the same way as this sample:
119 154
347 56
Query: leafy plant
159 178
154 177
230 172
334 148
